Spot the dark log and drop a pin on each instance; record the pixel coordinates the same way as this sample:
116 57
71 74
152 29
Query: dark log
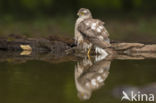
63 49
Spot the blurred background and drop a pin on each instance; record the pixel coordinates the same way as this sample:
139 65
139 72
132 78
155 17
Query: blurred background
128 20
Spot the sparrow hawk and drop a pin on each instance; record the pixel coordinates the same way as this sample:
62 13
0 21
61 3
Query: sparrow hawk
91 32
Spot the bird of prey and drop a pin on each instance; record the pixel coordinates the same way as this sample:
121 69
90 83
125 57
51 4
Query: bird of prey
91 32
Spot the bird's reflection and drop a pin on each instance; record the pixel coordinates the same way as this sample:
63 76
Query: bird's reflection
90 76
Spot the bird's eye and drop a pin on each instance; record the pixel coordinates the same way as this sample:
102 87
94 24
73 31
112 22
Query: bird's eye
82 13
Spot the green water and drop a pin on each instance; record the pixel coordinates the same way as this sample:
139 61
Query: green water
43 82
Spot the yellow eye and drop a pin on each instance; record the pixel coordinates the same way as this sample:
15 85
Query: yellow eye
82 13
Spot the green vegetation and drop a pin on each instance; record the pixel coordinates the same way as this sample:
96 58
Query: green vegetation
131 28
41 26
125 19
64 6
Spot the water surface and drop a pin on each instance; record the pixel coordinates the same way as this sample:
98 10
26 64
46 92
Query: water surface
38 81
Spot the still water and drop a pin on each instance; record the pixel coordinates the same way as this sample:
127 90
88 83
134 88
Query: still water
36 81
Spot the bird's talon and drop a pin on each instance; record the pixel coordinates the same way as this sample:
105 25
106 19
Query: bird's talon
88 57
88 53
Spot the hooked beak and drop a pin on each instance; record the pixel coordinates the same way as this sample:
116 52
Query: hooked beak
78 14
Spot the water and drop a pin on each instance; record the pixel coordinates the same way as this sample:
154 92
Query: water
40 81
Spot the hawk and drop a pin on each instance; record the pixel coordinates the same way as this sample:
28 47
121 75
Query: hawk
91 32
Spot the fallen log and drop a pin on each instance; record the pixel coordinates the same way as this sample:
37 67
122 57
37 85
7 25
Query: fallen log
59 47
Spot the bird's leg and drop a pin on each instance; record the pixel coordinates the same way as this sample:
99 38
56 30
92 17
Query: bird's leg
88 53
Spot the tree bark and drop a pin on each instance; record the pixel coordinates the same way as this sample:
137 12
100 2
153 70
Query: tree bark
62 49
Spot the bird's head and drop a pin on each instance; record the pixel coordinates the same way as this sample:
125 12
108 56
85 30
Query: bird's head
85 13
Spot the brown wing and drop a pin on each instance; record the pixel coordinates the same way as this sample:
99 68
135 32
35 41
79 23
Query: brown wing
94 31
